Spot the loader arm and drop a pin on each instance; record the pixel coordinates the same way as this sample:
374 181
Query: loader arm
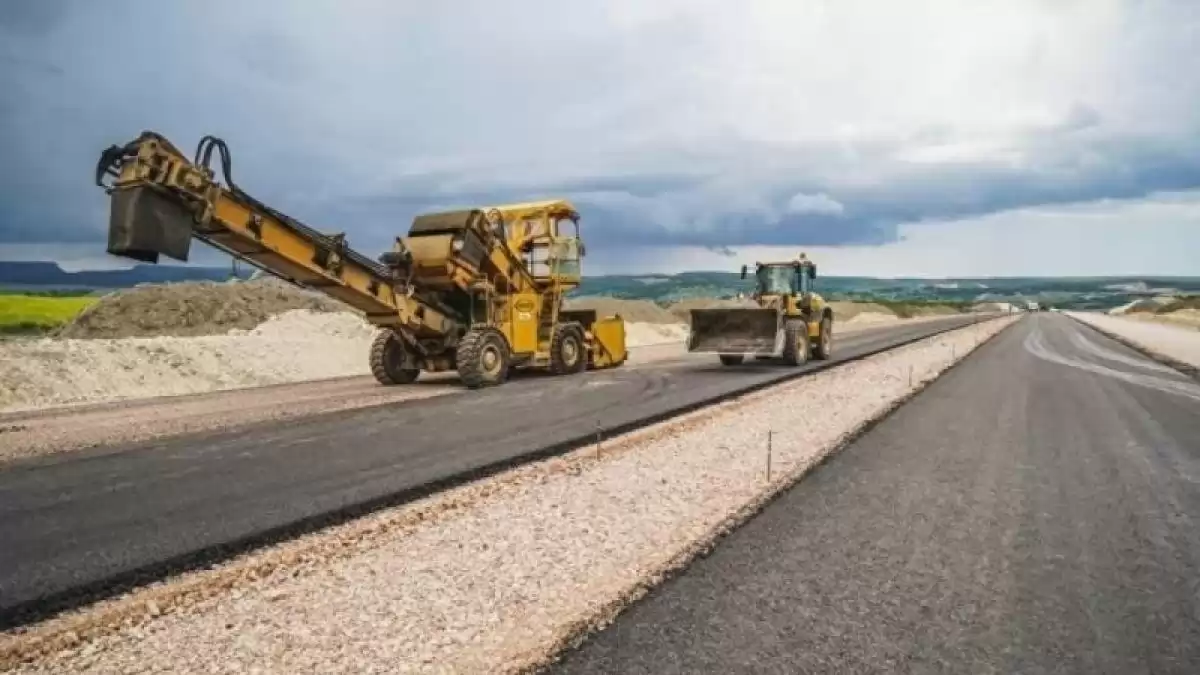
160 200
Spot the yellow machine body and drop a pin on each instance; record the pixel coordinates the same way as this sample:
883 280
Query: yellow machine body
479 290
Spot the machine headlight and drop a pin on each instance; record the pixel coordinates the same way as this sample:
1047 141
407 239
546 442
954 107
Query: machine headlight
456 244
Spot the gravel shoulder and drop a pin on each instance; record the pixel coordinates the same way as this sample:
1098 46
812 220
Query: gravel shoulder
1178 343
499 574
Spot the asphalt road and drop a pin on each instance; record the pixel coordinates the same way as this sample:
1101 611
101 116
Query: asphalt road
91 518
1035 510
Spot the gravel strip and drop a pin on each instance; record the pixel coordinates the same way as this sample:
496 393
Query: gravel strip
496 575
1176 343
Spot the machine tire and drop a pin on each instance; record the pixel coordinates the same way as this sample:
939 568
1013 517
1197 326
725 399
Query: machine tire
824 347
483 358
732 359
568 338
795 343
388 358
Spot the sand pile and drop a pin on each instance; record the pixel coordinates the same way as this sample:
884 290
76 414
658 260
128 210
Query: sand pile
296 346
1139 305
648 334
682 309
844 310
633 311
869 319
193 309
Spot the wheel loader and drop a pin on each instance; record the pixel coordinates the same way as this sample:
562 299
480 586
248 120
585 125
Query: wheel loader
477 290
791 322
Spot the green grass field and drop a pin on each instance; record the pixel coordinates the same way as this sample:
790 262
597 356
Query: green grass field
22 314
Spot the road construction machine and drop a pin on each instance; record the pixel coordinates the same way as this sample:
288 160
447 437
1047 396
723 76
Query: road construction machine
791 322
476 290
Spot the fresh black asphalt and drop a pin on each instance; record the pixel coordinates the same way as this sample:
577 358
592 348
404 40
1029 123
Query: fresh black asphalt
1034 510
84 519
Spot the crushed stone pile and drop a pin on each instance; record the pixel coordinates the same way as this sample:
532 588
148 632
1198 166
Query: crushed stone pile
296 346
189 309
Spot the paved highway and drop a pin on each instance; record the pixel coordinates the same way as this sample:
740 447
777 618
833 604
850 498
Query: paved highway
1035 510
92 518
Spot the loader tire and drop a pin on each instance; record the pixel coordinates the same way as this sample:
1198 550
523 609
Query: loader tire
824 347
391 362
568 354
732 359
795 343
483 358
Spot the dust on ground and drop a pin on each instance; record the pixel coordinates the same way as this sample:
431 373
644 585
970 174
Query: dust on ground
189 309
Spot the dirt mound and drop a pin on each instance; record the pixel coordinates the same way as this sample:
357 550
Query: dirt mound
844 310
190 309
633 311
295 346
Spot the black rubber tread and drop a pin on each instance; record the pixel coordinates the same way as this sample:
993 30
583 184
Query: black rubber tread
561 332
382 360
820 351
469 355
795 343
732 359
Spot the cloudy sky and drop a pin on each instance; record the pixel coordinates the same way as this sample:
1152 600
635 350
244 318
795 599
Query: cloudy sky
919 138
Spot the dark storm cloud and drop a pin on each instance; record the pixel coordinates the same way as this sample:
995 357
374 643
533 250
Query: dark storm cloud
356 120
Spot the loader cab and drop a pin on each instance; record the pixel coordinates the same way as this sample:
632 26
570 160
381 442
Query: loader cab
791 279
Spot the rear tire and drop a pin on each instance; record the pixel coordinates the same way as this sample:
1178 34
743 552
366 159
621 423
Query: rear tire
731 359
824 347
483 358
795 343
391 361
567 352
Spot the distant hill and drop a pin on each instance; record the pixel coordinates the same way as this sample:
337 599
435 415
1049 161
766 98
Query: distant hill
1064 292
49 276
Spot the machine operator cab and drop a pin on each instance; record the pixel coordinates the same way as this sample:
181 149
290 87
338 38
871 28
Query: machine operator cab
545 235
784 279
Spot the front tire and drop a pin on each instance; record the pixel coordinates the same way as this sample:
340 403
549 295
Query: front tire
391 361
483 358
795 343
824 347
567 351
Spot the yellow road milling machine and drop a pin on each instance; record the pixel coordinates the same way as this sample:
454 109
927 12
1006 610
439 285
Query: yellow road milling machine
791 321
478 290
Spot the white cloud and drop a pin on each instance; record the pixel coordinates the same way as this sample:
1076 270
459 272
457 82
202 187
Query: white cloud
818 203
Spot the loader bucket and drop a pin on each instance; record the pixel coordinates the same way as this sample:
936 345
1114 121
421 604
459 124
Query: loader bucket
144 224
734 330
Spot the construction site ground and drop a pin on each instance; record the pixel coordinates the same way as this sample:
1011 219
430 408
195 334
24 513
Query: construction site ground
302 474
213 487
62 428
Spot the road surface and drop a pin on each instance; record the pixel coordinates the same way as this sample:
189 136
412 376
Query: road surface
1035 510
89 519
